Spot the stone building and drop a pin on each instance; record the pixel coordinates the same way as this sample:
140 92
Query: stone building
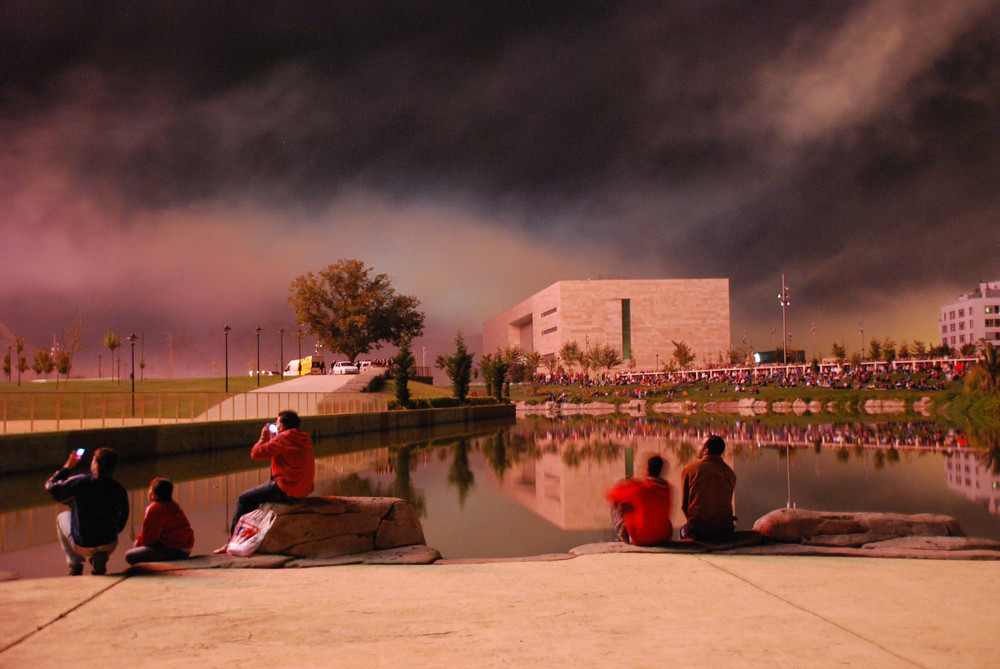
972 317
641 318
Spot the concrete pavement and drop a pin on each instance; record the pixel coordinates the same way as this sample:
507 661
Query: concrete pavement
600 610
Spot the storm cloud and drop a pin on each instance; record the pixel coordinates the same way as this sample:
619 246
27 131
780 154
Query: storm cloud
169 167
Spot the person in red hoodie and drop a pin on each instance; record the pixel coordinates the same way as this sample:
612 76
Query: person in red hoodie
641 507
293 466
166 533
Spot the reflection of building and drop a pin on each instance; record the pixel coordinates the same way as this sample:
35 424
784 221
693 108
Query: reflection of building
974 316
572 496
639 318
967 475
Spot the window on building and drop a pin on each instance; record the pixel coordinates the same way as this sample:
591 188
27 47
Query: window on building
549 312
961 313
961 325
549 331
961 338
951 315
993 309
953 340
626 329
952 327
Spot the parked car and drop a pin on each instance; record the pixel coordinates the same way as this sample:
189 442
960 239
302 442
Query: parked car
344 367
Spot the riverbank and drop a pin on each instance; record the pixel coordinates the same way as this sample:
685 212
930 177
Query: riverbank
25 453
622 609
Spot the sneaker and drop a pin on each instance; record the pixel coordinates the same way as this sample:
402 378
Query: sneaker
99 564
76 569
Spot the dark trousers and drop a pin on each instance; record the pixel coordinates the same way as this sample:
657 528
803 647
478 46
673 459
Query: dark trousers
254 497
155 553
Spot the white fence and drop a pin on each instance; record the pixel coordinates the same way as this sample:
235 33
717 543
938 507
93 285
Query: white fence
47 412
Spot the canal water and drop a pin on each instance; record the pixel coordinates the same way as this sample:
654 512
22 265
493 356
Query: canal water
538 486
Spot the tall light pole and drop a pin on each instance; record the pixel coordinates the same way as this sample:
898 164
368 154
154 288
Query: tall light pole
281 354
258 356
813 331
300 335
226 330
783 301
861 327
131 340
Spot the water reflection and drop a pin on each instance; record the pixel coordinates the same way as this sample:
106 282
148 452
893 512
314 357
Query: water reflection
537 487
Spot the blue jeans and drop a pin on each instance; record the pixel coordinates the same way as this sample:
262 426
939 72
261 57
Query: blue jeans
254 497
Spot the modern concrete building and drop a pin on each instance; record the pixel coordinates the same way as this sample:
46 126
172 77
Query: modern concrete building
641 318
974 316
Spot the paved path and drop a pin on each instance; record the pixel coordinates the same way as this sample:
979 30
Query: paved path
606 610
308 395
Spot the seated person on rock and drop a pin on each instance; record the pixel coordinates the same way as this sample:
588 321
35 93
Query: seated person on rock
166 533
640 507
707 486
293 466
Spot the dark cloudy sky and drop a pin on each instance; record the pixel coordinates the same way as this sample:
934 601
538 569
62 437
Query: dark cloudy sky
169 166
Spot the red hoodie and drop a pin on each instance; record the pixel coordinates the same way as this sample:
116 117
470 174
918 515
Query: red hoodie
648 517
292 463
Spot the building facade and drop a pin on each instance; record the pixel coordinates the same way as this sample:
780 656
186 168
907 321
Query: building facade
974 316
641 318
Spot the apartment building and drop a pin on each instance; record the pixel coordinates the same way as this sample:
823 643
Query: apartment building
974 316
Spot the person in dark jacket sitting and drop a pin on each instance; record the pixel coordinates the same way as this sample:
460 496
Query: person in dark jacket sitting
98 510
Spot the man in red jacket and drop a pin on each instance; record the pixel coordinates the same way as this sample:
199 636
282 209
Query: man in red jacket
641 507
293 466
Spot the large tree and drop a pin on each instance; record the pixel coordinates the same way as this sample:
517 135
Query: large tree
352 311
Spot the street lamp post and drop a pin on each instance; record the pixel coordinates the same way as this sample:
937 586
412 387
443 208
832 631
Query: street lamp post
813 331
861 327
281 354
258 356
299 336
131 340
226 330
783 301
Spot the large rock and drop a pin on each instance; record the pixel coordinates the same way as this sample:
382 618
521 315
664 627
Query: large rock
793 526
325 527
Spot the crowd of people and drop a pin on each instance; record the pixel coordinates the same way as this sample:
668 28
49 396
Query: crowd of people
930 376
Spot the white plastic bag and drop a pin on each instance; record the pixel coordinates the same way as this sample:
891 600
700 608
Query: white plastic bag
249 533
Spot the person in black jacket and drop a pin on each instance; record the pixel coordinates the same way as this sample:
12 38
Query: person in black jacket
98 511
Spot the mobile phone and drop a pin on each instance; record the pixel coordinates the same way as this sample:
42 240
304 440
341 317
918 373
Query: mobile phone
273 427
80 452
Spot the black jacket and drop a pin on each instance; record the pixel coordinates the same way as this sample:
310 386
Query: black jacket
99 506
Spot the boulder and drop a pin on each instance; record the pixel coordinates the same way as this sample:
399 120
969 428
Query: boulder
325 527
826 528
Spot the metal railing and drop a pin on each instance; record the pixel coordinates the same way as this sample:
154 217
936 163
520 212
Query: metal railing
47 412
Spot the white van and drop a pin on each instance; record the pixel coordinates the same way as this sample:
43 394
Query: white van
312 364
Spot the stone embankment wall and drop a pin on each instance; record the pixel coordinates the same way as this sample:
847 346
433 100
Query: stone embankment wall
45 451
